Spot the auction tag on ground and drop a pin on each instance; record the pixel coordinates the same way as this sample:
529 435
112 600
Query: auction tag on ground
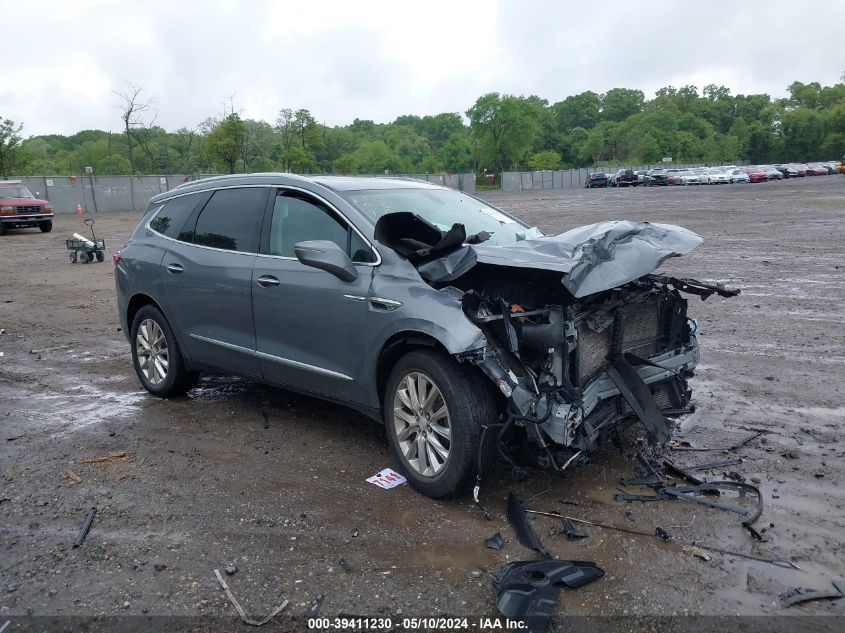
387 478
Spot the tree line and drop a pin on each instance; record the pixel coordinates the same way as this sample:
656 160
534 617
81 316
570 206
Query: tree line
498 132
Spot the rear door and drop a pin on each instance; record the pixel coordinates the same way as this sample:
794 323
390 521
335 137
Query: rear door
308 323
208 279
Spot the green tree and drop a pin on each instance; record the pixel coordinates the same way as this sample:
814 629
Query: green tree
226 141
505 127
618 104
582 110
10 143
548 159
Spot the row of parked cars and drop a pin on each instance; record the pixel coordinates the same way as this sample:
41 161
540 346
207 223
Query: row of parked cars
727 174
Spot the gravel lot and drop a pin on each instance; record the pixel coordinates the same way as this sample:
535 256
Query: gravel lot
204 484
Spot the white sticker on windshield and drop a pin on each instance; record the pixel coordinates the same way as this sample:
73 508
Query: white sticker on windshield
501 218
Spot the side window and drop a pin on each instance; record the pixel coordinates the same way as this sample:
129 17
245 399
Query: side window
171 218
359 251
232 219
297 218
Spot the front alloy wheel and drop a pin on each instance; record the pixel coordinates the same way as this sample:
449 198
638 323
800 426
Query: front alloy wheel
421 424
434 410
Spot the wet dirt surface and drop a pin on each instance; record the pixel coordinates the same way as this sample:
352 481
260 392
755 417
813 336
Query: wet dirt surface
204 484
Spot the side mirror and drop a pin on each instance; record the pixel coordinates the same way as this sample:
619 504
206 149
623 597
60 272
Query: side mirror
327 256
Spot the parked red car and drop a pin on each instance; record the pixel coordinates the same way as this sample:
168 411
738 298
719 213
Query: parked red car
19 208
755 174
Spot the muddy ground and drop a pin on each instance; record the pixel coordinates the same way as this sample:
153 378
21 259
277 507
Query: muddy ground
204 484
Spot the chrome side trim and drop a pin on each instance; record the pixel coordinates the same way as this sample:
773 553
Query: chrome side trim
231 346
272 358
305 366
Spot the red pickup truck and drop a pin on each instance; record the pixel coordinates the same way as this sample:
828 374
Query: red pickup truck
19 208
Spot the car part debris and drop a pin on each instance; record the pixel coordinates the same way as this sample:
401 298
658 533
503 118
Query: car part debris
786 564
230 570
712 465
314 609
240 609
571 533
86 527
495 542
802 595
754 532
527 591
524 532
691 494
659 531
679 472
684 445
345 566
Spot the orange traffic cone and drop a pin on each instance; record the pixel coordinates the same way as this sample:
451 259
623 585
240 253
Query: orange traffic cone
79 210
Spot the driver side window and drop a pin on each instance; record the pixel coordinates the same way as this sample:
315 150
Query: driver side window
300 218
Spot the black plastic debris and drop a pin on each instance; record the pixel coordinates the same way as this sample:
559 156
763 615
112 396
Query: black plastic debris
571 533
86 527
659 531
266 420
345 566
527 591
524 532
230 570
495 541
755 533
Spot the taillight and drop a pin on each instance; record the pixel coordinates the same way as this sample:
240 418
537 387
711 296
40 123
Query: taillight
116 257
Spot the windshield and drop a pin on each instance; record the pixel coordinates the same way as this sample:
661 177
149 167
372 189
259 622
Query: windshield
15 191
443 208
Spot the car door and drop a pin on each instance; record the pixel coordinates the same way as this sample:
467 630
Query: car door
208 279
307 321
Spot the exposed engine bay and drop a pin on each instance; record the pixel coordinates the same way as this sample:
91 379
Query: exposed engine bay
581 335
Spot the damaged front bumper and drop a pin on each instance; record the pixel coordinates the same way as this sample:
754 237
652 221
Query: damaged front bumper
573 373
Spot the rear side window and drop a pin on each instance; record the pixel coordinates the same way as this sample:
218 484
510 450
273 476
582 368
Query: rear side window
171 219
232 220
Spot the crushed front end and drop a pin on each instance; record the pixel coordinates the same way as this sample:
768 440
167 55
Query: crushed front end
574 369
581 335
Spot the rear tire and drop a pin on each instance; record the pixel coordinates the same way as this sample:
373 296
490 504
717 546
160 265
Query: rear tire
84 257
468 404
100 257
72 256
46 227
157 357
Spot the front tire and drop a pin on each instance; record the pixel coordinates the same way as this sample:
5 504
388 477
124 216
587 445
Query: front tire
46 227
156 355
434 410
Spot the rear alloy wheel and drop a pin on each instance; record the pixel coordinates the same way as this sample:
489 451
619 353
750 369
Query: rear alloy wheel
433 412
156 355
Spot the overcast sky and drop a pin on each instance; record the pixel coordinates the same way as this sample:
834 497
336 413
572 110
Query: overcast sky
376 60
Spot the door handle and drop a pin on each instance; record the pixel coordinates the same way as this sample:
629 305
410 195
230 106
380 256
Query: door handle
267 281
174 268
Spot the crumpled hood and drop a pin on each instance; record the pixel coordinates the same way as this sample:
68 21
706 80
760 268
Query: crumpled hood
592 258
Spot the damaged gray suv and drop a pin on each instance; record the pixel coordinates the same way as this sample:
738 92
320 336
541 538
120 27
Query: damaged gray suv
464 331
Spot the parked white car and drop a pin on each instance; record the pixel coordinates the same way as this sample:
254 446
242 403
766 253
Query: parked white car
738 175
715 176
688 177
